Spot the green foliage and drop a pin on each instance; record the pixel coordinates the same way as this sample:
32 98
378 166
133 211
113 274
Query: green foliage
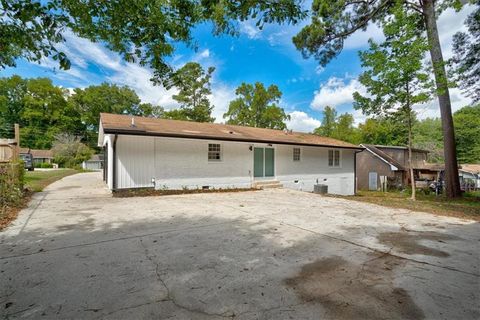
466 59
257 106
12 91
329 124
69 152
427 135
194 85
395 77
144 31
467 129
338 127
12 178
108 98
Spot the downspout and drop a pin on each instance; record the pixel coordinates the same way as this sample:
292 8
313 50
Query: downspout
114 163
355 171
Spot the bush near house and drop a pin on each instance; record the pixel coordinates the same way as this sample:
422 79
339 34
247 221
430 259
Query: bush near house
11 183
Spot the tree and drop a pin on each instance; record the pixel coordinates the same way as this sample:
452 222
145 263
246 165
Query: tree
110 98
328 122
466 59
194 85
69 151
395 78
257 106
467 125
143 31
12 91
334 21
382 131
427 135
345 129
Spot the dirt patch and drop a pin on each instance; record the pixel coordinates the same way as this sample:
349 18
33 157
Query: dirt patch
409 242
355 291
10 213
150 192
68 188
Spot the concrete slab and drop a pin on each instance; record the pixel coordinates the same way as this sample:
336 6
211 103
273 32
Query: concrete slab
76 252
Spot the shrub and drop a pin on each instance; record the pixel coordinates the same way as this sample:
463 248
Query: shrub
46 165
69 152
11 183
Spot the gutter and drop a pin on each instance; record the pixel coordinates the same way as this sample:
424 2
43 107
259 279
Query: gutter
174 135
114 163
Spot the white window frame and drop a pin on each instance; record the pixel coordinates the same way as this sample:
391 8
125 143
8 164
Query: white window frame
220 152
299 154
333 160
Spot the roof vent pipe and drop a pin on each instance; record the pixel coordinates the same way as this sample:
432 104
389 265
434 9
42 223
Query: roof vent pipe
133 123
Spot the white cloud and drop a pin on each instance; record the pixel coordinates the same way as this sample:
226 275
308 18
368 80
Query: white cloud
335 92
249 28
449 23
220 98
204 54
360 38
300 121
432 109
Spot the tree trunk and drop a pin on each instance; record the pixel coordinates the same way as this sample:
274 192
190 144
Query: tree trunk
410 163
451 166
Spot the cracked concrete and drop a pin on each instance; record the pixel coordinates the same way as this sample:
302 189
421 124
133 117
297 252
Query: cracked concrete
78 253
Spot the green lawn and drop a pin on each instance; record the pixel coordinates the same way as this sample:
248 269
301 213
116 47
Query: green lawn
466 207
38 180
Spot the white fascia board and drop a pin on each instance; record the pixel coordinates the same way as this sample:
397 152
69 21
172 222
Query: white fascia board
392 167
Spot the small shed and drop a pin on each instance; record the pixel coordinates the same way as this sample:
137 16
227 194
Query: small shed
94 163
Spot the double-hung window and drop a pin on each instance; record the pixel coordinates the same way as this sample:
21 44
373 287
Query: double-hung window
296 154
334 158
214 152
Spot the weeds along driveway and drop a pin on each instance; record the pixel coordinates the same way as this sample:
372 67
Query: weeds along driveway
76 252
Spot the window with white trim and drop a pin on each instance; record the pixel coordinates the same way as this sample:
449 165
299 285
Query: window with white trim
296 154
334 158
214 152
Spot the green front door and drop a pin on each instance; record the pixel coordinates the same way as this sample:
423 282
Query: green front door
263 162
258 162
269 162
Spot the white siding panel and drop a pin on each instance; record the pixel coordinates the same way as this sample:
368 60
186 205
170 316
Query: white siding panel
135 161
313 168
183 163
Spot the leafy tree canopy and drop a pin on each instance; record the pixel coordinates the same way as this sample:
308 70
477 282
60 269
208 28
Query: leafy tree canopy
329 122
257 106
467 128
193 97
145 31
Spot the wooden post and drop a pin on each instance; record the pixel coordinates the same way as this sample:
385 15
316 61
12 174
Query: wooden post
17 142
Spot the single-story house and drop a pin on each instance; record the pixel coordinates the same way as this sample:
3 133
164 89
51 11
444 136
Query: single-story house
39 155
159 153
391 162
94 163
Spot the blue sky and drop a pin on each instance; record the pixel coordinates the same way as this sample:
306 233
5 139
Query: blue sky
267 56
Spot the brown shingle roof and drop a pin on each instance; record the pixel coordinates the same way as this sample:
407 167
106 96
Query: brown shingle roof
38 153
115 123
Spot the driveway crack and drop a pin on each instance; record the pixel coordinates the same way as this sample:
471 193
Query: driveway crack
170 297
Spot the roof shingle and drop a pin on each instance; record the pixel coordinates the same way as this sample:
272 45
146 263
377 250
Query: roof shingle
115 123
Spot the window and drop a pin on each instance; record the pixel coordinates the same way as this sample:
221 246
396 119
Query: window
296 154
214 152
334 158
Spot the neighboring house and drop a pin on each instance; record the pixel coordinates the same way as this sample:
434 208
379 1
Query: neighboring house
39 155
94 163
145 152
469 176
392 162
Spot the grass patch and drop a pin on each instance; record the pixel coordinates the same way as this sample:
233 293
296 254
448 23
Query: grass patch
467 207
150 192
37 180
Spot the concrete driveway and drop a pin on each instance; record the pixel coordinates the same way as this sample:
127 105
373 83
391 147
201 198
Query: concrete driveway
78 253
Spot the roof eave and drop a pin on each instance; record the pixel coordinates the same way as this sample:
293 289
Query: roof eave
139 132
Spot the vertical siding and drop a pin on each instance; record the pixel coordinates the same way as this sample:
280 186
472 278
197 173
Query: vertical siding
135 161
